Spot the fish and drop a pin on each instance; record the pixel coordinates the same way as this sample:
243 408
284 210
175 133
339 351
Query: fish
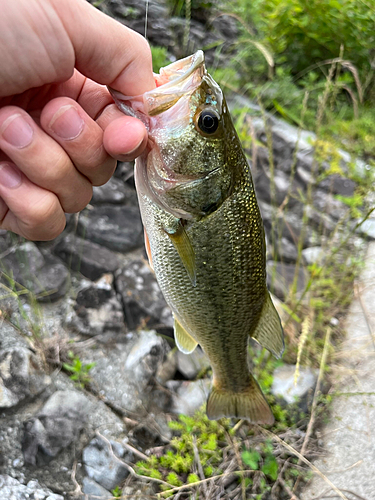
204 233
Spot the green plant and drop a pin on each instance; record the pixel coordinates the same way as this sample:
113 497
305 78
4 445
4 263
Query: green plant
159 57
79 371
117 492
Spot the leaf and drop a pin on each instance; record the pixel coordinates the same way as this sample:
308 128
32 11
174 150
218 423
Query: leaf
270 467
251 459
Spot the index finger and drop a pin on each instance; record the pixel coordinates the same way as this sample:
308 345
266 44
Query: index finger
105 50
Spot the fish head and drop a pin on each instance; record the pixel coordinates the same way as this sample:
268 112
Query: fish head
186 168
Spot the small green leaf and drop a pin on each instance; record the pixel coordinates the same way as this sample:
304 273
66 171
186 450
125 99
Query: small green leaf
270 467
251 459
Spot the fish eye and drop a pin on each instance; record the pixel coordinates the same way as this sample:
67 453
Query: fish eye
208 121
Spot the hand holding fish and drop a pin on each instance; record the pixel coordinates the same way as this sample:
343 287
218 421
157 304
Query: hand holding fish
59 129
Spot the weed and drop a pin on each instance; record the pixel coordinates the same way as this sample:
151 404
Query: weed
79 371
117 492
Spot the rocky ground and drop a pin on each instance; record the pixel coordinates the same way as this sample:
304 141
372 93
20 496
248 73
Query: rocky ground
87 305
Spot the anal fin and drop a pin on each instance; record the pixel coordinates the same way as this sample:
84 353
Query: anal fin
269 332
184 340
249 404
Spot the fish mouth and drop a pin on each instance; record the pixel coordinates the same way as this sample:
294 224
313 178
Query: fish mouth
173 82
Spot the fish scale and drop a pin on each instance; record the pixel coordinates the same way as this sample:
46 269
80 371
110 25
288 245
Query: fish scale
205 232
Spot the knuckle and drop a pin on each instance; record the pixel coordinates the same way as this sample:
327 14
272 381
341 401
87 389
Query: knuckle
46 219
80 202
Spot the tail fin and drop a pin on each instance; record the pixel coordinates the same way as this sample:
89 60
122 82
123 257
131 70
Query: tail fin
249 404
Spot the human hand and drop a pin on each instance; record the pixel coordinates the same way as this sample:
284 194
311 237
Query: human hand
60 132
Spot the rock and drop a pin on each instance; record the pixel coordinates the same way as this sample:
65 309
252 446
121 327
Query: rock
188 397
138 492
328 204
101 464
367 228
97 311
141 296
94 491
336 184
153 431
114 192
125 376
118 228
21 371
286 250
283 383
282 185
190 365
46 277
55 426
167 369
280 278
88 258
11 489
313 255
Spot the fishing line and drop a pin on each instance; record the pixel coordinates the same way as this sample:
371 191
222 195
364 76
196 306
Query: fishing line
146 16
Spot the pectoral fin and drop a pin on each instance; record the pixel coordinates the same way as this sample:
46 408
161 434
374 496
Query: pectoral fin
185 250
184 341
269 332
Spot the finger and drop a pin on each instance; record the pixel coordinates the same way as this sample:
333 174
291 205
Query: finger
121 58
27 209
125 138
80 137
42 160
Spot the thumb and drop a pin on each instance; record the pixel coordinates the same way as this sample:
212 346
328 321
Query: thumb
105 50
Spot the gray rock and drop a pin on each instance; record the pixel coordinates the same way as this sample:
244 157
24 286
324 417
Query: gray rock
55 426
47 278
280 278
189 365
11 489
283 383
167 369
94 491
327 203
114 192
118 228
282 185
125 376
101 464
97 311
139 492
336 184
188 397
21 376
88 258
141 296
313 255
367 228
152 431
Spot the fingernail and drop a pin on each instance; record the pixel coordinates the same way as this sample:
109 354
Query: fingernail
10 177
136 147
17 132
67 123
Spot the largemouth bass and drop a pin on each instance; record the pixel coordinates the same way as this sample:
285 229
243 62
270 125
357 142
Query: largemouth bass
204 232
